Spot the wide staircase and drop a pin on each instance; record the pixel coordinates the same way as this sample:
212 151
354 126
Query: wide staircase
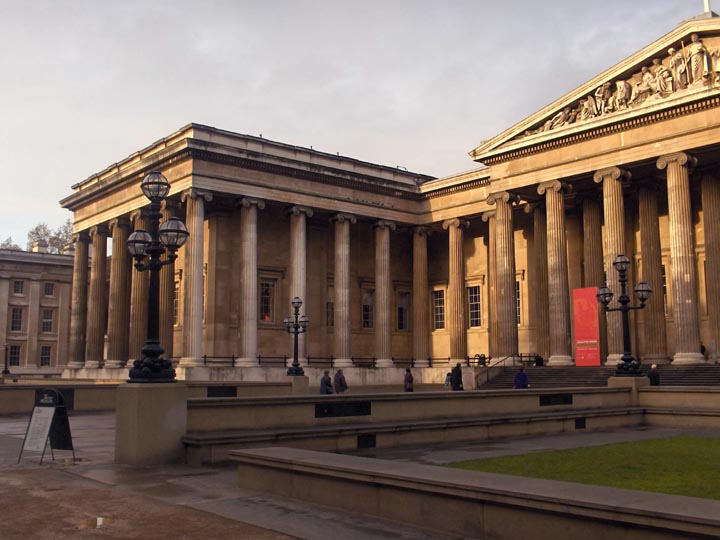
579 376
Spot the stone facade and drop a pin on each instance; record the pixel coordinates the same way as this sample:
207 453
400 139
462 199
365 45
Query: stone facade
394 265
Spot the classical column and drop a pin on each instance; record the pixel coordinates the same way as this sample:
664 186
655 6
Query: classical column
558 291
541 313
194 257
118 331
139 298
97 302
654 312
711 221
298 268
492 302
248 317
421 316
342 331
505 267
593 259
383 294
455 313
612 180
166 335
78 313
684 277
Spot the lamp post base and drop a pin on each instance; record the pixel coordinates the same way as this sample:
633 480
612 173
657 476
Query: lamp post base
152 370
629 369
295 371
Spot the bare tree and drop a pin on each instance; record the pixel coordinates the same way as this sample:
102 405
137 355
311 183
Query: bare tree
8 243
56 240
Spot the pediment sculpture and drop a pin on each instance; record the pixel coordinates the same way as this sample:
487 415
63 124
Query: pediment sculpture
686 68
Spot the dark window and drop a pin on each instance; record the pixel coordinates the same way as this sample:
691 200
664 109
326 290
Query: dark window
16 320
517 300
45 352
368 308
330 313
19 287
664 289
14 355
438 298
267 300
47 320
474 313
176 304
403 311
49 289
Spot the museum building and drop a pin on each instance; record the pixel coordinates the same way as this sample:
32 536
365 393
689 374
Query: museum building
395 267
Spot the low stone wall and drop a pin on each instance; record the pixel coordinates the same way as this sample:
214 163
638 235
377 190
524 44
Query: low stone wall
477 505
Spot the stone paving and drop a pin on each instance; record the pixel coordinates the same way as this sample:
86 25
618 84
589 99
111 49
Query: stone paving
96 498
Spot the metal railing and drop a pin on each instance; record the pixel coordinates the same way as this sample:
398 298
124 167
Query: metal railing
360 361
439 361
321 361
403 362
218 360
272 361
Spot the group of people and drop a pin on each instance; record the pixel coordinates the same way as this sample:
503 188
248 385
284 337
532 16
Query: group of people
338 384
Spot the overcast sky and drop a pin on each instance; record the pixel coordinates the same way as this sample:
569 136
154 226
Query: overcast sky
411 83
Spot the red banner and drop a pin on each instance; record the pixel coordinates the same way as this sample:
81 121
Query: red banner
586 326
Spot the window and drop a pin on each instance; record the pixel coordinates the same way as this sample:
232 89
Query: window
474 314
176 304
403 310
517 301
438 298
330 308
267 300
45 355
49 289
664 289
19 287
47 320
14 355
16 320
368 308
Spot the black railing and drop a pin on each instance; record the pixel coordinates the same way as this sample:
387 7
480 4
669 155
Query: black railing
363 361
276 361
439 361
321 361
218 360
403 362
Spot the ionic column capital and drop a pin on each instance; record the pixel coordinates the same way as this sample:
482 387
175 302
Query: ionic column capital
554 185
681 158
488 215
614 173
342 217
119 223
503 196
297 210
247 202
99 230
195 194
81 236
422 230
455 222
384 224
171 206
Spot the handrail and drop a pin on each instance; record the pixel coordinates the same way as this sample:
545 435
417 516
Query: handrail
491 365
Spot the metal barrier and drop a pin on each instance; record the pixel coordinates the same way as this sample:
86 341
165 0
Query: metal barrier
321 361
359 361
218 360
273 361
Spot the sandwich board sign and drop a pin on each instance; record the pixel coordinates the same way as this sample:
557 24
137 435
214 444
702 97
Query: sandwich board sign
48 423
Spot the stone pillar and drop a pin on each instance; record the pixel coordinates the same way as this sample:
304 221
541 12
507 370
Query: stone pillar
684 277
711 221
298 269
119 303
507 330
492 303
455 312
97 302
421 316
558 291
78 313
342 330
383 294
194 257
170 209
139 298
593 259
248 319
654 312
612 183
541 314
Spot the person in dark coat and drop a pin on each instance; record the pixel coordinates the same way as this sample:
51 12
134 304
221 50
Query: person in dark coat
456 378
326 383
654 375
408 384
339 383
521 379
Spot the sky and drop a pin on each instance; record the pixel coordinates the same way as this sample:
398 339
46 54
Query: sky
415 84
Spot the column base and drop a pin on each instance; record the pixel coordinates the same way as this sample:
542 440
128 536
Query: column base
422 363
560 360
613 359
115 364
384 362
188 361
659 359
248 361
75 365
681 359
92 364
342 362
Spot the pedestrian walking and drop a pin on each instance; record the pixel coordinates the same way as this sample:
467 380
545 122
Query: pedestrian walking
456 378
339 383
326 383
408 384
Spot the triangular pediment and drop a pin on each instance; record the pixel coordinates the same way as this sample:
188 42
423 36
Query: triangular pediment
682 66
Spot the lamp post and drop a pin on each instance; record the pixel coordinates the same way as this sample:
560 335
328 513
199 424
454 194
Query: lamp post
150 246
5 370
629 366
296 326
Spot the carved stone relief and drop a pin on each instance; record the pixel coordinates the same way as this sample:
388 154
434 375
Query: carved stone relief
687 68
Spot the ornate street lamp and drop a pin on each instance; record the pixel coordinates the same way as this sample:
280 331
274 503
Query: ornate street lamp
151 245
295 327
629 366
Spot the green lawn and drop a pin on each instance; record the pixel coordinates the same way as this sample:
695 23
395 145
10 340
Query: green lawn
677 465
